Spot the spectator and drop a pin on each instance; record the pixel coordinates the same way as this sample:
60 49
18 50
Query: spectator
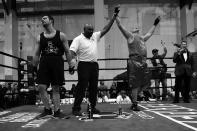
15 93
122 98
113 90
8 95
62 92
159 71
2 96
73 90
103 91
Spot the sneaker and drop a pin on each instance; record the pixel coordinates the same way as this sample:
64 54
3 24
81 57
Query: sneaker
76 113
58 114
45 114
152 100
95 111
134 107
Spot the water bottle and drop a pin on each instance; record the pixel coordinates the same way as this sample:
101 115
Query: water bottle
120 110
89 111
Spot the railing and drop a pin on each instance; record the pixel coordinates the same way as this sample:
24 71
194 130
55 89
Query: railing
124 79
68 92
19 80
18 61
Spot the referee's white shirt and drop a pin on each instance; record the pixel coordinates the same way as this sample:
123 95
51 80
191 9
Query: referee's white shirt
86 49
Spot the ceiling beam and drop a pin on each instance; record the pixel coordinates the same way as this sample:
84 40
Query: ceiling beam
140 1
57 12
85 3
41 4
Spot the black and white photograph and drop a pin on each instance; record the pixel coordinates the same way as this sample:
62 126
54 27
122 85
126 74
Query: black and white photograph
98 65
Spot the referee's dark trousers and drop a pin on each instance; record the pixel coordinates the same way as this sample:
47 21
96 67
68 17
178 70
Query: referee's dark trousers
87 79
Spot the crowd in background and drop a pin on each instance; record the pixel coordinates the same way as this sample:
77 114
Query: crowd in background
11 95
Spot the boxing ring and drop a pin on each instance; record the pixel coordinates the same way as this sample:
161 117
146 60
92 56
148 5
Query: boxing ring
153 115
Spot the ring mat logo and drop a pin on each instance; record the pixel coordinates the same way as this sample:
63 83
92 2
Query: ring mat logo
36 123
23 117
143 115
19 117
106 116
4 112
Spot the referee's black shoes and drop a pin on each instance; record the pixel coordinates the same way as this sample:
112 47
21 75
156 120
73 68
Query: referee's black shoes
59 115
76 113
